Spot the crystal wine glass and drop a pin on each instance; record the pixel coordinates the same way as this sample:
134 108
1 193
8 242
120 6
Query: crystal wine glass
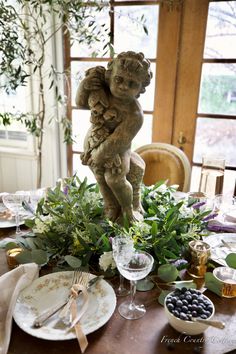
121 244
224 204
134 266
13 202
35 196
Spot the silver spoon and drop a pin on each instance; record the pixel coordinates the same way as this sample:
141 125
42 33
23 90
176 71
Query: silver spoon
217 324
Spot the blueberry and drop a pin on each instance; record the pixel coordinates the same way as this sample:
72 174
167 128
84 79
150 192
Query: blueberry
208 313
182 296
194 314
179 303
173 300
210 308
188 298
185 302
204 317
194 307
187 293
184 309
183 290
176 313
170 307
199 309
183 316
195 302
194 296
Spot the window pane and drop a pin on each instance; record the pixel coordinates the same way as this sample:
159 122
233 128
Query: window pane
80 124
97 23
82 171
14 103
129 33
218 89
221 30
215 137
144 136
146 99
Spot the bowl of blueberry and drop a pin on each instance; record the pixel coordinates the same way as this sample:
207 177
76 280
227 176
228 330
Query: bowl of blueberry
184 306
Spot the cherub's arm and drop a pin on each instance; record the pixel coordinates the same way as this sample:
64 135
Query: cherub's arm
94 81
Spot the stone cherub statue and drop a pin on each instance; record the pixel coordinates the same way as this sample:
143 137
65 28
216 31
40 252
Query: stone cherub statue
116 117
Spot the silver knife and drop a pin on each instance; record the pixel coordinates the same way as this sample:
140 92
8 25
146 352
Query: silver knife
39 320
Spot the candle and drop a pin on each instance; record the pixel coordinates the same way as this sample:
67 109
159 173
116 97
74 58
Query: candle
11 257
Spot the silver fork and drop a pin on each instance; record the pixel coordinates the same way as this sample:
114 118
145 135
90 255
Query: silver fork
78 278
39 320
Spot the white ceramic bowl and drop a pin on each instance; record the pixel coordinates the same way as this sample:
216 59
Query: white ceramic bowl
227 276
184 326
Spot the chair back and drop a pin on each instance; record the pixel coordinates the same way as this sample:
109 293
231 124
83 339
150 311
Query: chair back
165 162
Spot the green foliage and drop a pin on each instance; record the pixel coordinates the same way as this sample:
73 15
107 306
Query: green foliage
231 260
69 227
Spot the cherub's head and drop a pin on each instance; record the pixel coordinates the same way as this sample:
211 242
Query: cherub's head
128 74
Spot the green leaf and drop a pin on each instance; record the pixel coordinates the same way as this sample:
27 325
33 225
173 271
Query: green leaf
144 284
213 284
162 296
231 260
24 257
39 257
73 261
11 245
154 228
167 272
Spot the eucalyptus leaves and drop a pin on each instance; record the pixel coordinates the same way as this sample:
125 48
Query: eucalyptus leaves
69 229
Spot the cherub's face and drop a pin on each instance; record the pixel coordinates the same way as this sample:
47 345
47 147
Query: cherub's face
124 84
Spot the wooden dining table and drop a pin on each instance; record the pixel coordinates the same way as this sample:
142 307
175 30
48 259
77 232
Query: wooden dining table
150 334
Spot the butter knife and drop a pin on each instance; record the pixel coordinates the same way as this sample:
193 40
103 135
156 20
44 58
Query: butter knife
39 320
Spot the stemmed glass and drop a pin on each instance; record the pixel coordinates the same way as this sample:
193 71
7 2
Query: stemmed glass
224 204
121 244
35 196
13 202
134 266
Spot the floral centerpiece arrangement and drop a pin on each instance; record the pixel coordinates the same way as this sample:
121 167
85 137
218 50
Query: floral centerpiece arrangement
69 230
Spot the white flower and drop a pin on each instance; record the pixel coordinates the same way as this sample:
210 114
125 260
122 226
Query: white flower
162 209
42 225
162 188
106 260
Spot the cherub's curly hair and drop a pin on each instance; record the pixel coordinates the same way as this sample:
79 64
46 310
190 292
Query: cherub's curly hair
134 62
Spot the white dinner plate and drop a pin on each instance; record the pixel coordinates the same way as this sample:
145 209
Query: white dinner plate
44 293
219 251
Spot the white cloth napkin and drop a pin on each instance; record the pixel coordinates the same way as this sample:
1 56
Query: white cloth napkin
11 283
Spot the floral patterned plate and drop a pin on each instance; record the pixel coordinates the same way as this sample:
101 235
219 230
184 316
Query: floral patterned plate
219 249
44 292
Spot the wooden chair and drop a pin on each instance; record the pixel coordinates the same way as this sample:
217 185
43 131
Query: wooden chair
165 162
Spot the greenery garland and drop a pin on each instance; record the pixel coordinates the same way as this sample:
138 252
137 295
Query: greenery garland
69 229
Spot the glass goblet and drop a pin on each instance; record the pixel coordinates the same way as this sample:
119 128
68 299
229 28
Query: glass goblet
13 202
35 196
121 244
134 268
224 204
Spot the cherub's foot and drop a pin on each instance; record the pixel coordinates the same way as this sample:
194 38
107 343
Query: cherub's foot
139 208
111 213
131 215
